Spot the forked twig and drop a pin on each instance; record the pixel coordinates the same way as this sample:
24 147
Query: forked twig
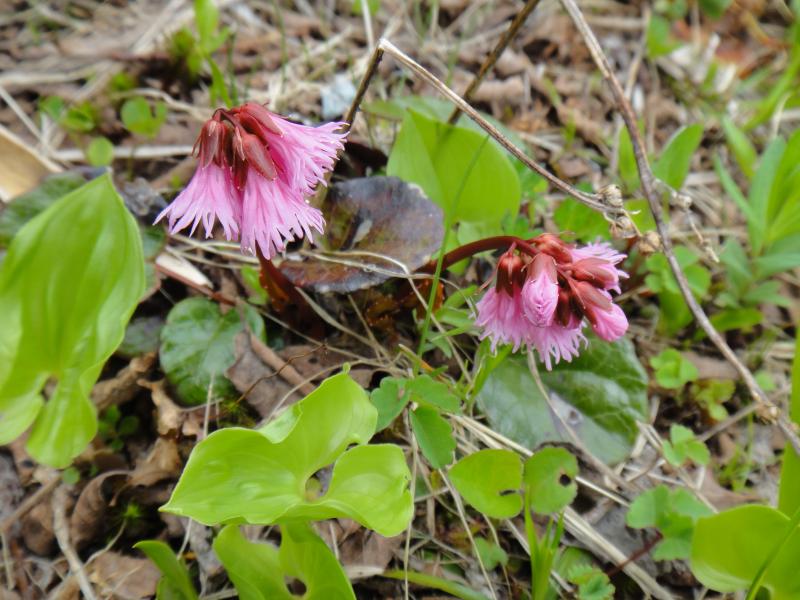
769 409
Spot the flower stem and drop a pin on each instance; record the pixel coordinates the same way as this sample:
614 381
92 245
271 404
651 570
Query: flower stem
498 242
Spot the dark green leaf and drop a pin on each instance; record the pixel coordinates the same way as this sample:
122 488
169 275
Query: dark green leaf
434 434
676 157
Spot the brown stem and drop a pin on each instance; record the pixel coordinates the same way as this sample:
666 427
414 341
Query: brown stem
372 67
636 555
276 284
499 242
769 409
492 57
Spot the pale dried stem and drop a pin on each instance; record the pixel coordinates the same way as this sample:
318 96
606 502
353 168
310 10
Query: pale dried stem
768 408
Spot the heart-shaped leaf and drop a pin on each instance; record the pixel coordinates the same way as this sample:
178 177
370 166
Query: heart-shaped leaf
370 218
434 434
600 395
543 473
197 347
68 285
262 476
484 478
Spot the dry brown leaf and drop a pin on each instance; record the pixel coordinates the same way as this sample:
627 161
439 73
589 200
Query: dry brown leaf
23 168
360 550
37 529
120 576
88 517
163 462
124 385
170 417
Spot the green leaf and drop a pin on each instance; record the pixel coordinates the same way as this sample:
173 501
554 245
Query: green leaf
23 208
100 152
141 336
761 188
672 370
68 285
138 117
491 554
305 556
783 207
262 476
741 146
789 496
714 8
175 583
602 394
544 471
434 434
81 118
485 479
728 550
457 168
674 513
424 389
253 568
676 157
659 37
587 224
628 172
206 16
592 583
683 445
197 345
390 399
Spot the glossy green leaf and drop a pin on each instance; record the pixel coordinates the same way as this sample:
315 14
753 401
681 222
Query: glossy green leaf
262 476
197 346
305 556
676 157
175 583
728 550
601 394
254 568
457 168
68 285
434 434
486 477
674 513
23 208
544 471
789 496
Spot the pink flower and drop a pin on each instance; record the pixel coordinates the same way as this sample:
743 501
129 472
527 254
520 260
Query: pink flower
609 324
557 342
256 172
606 258
209 196
500 316
540 291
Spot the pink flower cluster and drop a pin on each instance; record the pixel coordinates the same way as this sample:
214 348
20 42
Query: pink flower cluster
255 172
543 297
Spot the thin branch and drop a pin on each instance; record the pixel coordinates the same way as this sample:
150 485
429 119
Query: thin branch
492 57
769 409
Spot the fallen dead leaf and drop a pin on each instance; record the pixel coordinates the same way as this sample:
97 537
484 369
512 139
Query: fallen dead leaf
163 462
37 529
120 576
361 551
124 385
88 518
22 167
170 417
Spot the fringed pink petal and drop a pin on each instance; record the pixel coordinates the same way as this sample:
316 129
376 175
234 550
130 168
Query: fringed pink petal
209 196
606 252
556 343
610 325
501 318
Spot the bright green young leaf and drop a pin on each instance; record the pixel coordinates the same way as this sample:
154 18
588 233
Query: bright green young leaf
468 177
390 398
544 471
710 394
305 556
254 568
714 8
68 285
434 434
759 197
676 157
175 582
426 390
789 496
587 224
673 371
601 394
683 446
728 550
660 40
100 152
491 554
674 313
741 146
783 207
138 117
197 345
592 583
628 172
674 513
485 479
23 208
262 476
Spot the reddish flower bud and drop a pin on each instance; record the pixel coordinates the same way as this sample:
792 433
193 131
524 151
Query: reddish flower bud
554 246
589 298
596 271
257 154
510 275
262 115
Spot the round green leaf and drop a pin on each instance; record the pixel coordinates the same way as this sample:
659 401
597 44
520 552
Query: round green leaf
485 478
100 152
197 345
434 434
543 473
728 550
601 394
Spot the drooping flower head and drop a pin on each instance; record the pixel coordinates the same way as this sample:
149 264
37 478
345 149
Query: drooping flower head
544 297
255 173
